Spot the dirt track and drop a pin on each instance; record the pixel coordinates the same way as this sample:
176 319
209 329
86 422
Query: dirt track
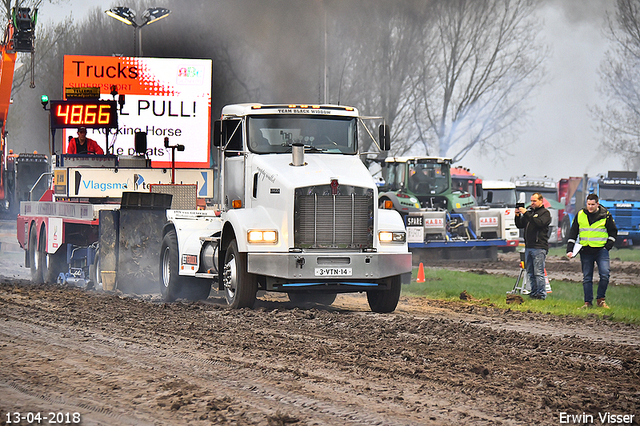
135 360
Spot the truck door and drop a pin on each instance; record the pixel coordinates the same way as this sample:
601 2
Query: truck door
234 158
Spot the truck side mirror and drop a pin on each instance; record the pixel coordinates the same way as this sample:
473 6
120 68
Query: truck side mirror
489 197
383 133
217 133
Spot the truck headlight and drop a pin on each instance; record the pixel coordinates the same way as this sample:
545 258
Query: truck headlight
262 236
392 237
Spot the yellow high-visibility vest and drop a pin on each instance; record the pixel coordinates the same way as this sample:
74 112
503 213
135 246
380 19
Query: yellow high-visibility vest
592 234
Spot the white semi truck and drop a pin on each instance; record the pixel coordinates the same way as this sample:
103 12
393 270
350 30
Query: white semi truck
297 212
501 195
292 209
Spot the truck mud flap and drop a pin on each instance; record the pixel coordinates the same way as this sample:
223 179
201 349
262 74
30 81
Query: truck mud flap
142 216
108 230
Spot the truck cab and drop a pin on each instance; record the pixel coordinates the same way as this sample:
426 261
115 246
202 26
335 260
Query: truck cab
297 213
501 195
415 183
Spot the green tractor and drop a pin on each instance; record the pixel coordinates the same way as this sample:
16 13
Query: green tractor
413 184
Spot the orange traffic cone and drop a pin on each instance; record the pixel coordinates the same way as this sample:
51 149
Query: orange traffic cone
546 282
420 278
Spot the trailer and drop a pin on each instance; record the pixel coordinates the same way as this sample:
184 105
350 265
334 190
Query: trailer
442 220
618 191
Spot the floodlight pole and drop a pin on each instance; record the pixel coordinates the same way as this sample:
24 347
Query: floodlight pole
128 17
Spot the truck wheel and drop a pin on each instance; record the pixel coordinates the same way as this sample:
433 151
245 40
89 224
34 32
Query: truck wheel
240 287
169 267
35 260
385 301
564 229
54 264
95 276
325 299
172 285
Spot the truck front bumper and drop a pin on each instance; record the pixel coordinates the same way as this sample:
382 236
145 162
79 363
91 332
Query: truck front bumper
345 267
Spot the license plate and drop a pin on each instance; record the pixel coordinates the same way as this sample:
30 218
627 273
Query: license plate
623 232
333 272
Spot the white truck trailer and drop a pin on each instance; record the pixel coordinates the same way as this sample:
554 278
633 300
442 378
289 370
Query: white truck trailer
297 213
501 195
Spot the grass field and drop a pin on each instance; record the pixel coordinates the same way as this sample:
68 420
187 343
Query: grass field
564 300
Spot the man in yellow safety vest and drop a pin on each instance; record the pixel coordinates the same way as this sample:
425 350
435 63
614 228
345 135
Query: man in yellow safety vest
597 231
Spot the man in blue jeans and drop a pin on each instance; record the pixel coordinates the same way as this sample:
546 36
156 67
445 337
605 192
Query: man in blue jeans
598 232
535 220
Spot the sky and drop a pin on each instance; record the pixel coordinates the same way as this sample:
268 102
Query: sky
560 139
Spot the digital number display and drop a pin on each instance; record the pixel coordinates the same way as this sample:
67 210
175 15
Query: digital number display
93 114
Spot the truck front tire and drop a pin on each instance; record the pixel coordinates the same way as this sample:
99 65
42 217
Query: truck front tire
240 287
385 301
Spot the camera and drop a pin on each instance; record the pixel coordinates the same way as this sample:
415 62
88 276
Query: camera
518 205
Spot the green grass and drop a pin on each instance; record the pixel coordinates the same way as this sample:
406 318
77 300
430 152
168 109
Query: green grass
625 254
564 300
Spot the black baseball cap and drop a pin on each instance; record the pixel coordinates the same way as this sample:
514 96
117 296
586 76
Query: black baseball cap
82 129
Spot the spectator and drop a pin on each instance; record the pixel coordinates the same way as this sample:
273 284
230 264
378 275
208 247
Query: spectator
535 220
598 232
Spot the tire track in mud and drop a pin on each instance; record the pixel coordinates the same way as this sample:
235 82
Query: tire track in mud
317 366
251 390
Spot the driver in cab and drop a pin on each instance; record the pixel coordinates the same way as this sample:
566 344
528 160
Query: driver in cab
83 145
421 181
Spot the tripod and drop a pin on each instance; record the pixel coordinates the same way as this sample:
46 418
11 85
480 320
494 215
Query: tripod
521 286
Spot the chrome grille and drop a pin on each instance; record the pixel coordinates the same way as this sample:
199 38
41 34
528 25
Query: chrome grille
344 220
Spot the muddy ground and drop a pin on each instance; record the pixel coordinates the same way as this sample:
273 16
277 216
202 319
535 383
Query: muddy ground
125 360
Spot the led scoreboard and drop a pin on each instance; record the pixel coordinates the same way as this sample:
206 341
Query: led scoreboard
91 113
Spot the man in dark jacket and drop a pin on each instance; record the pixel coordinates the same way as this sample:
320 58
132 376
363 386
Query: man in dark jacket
535 220
598 232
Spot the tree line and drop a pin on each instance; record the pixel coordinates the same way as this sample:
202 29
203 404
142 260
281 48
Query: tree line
447 75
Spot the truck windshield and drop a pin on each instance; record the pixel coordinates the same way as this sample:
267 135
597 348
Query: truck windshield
500 197
428 178
276 133
619 192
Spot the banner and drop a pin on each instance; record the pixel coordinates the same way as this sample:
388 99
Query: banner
164 97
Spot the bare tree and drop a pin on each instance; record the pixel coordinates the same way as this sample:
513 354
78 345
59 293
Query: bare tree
373 58
619 121
480 62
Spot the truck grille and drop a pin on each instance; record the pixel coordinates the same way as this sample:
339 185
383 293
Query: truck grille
625 218
343 220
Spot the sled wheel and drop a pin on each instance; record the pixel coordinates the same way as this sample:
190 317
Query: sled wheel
35 260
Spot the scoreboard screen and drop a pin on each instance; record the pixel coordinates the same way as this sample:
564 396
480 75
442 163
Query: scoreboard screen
91 113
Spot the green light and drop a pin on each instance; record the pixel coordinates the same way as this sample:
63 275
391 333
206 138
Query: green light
44 99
